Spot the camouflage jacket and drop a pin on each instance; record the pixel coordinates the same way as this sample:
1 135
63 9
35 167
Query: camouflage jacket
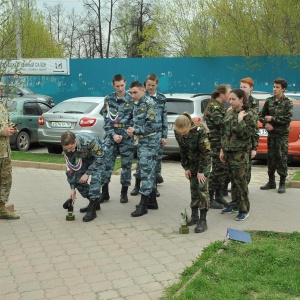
92 152
146 117
254 106
195 150
5 122
160 100
281 112
117 112
237 136
214 115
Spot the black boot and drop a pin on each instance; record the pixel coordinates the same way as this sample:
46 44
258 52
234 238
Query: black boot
123 197
137 186
271 183
194 216
159 179
201 224
91 211
152 202
105 193
219 198
141 208
157 193
84 209
281 189
213 203
225 190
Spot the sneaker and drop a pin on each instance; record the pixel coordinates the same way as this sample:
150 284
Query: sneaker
242 216
228 210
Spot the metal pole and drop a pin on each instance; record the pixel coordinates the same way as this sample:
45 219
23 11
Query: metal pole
18 35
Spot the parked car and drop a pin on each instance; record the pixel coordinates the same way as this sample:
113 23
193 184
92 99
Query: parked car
10 90
195 105
79 115
295 95
294 136
25 112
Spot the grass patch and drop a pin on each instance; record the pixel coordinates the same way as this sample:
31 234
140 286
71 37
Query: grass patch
297 176
49 158
267 269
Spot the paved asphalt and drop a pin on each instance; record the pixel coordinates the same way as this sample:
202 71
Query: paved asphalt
116 256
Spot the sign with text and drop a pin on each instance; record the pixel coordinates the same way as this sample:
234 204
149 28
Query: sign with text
38 66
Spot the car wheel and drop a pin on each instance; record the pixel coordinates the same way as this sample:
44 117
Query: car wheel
23 141
55 149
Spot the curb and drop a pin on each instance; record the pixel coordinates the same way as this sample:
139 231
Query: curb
51 166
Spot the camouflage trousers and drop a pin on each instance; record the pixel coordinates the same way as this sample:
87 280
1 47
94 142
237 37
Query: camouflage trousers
278 155
238 164
137 173
5 179
125 150
199 194
89 190
219 171
147 150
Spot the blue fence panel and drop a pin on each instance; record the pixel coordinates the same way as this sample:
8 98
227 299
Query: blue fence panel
92 77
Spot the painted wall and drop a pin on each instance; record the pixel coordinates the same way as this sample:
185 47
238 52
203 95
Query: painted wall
92 77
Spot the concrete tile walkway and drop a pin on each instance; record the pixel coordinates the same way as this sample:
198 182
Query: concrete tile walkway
116 256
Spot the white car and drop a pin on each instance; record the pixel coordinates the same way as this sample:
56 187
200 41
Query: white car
195 105
79 115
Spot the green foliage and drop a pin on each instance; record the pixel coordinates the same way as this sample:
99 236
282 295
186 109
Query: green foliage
49 158
36 40
266 269
296 176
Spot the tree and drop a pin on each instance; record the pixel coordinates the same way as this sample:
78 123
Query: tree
139 31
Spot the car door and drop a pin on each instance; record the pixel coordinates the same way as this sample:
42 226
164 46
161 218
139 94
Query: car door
31 113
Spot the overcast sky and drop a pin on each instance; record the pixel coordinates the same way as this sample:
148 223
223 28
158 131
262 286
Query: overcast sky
67 4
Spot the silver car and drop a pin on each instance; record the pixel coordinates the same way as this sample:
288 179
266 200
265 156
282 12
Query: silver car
195 105
78 115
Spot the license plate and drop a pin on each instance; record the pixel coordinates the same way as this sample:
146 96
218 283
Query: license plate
60 124
171 126
263 132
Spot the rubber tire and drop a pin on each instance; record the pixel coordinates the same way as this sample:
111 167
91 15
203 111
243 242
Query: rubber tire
55 149
23 141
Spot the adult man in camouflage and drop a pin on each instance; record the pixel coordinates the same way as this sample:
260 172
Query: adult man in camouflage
6 130
85 156
147 128
276 115
118 117
151 91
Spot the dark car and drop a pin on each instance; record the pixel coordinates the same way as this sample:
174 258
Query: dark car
25 112
10 90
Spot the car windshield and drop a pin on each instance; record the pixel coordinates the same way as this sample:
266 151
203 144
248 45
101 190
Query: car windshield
179 106
74 107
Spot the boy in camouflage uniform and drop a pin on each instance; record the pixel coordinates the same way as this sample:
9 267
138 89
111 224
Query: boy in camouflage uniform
147 128
247 84
195 160
276 115
85 155
151 86
118 116
6 130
